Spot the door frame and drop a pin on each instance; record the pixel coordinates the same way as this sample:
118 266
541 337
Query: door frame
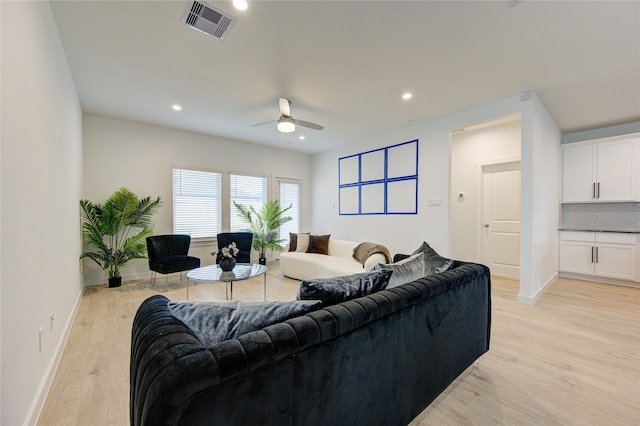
276 191
479 171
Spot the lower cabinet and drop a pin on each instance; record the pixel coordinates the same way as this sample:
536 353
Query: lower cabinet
600 254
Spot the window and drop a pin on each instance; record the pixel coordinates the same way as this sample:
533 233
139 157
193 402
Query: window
290 195
246 191
197 203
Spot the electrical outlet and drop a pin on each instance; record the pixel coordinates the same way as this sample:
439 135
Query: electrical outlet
596 217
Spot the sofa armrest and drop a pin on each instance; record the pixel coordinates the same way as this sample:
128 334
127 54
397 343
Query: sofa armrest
373 260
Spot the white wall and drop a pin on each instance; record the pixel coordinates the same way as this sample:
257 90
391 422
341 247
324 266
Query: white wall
494 143
41 177
140 156
400 233
404 233
540 207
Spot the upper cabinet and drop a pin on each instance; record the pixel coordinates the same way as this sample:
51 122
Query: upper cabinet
602 170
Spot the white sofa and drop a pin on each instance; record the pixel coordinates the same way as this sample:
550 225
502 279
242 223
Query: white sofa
339 261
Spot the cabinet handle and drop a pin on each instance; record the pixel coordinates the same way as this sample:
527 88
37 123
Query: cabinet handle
593 191
592 254
598 191
596 254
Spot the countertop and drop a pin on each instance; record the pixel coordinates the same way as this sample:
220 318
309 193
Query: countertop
618 231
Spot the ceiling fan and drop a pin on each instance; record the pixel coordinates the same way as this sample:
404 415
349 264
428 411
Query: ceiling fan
286 123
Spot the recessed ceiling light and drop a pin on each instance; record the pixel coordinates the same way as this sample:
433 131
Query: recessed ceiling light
407 96
302 138
176 107
240 4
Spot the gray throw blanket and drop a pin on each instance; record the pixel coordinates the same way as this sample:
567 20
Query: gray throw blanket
363 250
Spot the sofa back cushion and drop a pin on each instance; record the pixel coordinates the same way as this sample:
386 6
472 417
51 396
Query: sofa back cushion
214 322
340 289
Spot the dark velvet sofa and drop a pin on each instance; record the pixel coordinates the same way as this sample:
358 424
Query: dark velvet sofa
375 360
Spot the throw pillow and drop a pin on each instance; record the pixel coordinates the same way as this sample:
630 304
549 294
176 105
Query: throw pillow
319 244
214 322
434 263
303 242
293 241
404 271
339 289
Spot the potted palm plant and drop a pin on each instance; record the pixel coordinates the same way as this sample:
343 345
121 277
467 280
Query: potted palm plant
264 224
117 230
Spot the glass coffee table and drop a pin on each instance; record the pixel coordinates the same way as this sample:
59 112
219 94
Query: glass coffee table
213 273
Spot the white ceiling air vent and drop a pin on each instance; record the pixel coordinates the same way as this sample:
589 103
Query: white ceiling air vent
207 19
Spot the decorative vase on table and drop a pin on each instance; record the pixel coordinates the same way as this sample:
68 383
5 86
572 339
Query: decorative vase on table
227 263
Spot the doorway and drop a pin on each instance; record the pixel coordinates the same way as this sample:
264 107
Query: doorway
477 150
500 218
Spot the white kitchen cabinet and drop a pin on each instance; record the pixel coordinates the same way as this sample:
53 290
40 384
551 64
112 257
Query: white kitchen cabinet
578 173
600 254
576 255
603 170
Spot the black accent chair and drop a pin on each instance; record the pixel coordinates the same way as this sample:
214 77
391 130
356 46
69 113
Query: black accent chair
243 242
169 254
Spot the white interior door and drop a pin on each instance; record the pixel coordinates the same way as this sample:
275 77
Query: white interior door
501 218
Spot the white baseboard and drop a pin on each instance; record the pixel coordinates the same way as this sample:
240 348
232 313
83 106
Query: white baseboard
128 277
45 385
600 280
531 300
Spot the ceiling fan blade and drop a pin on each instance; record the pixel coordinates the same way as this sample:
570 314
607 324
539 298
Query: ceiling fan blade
285 107
308 124
263 123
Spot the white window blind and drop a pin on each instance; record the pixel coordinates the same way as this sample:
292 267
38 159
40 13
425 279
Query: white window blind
197 203
290 195
246 191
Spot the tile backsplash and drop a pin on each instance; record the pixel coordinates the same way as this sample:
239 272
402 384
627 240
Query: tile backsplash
622 217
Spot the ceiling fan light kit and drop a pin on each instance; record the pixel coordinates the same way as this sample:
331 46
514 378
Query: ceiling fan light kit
286 124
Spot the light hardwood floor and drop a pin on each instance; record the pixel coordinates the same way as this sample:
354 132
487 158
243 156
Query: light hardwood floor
571 359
